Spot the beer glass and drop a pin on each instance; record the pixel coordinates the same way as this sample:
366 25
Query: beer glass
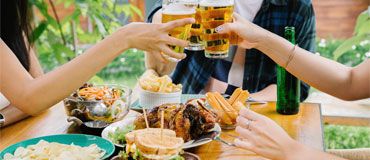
174 10
196 31
213 14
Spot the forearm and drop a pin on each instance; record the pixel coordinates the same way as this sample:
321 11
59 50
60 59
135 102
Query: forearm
267 94
302 152
12 114
323 74
73 74
62 81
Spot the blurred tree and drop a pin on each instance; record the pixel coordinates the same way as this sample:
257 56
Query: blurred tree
361 37
59 40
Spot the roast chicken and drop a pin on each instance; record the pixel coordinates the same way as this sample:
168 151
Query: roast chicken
189 120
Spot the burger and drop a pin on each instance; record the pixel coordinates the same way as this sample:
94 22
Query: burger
153 143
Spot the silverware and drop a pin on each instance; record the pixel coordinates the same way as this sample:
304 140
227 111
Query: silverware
213 136
224 142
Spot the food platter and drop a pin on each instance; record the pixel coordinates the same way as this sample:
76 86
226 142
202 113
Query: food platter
68 139
130 120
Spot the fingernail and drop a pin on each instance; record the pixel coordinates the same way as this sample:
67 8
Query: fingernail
237 119
219 29
184 56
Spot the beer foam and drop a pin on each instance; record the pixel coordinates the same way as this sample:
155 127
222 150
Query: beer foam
177 9
208 3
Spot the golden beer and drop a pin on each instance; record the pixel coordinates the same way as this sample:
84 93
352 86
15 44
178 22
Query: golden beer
176 10
215 13
196 31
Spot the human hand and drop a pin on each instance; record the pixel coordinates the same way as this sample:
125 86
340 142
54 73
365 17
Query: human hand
263 136
155 38
251 35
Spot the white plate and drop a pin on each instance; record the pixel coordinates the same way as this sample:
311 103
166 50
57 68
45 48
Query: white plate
130 120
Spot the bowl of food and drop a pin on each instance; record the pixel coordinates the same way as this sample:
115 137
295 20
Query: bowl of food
227 109
104 103
155 90
61 146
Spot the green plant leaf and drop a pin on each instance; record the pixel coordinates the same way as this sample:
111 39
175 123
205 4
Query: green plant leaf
362 19
364 28
136 10
347 45
36 33
96 80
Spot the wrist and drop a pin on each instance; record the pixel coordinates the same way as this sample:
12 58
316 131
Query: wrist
263 40
295 146
121 40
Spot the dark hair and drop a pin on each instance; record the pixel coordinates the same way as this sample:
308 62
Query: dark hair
16 29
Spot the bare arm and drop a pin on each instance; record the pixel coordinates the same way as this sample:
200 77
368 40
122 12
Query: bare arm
349 83
156 61
33 95
13 114
326 75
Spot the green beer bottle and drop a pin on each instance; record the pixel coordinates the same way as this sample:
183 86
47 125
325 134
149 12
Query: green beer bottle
288 86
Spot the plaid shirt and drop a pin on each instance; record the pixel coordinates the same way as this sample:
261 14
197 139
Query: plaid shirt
259 70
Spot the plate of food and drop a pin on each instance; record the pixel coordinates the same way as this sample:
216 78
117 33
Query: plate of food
154 143
62 146
190 121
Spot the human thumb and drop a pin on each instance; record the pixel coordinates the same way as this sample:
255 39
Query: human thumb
225 28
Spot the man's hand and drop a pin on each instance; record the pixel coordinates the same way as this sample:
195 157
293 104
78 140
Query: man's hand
156 61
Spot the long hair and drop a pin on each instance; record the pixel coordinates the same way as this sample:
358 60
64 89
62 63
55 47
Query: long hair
16 29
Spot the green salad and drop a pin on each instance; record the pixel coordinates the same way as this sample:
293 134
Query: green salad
138 156
118 136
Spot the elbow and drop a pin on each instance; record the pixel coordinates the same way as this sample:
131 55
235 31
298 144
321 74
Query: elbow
348 97
30 105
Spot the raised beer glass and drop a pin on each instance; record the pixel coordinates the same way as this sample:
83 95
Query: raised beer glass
174 10
196 31
213 14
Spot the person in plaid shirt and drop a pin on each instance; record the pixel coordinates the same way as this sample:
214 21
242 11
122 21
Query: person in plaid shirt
249 69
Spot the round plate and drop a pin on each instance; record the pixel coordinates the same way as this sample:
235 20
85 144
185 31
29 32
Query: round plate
77 139
186 155
130 120
112 127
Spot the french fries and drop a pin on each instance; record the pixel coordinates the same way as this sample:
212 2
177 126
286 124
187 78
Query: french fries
214 103
150 81
228 110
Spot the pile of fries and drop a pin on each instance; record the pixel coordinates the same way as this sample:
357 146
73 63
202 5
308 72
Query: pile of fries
227 109
153 83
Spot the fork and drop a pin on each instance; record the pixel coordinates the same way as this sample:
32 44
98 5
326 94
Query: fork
219 139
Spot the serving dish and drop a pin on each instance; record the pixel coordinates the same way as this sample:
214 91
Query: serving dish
77 139
103 104
130 120
150 99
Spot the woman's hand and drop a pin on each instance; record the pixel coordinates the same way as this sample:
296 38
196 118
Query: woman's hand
250 33
154 37
263 136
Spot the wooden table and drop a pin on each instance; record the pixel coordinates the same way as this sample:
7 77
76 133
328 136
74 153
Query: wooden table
305 127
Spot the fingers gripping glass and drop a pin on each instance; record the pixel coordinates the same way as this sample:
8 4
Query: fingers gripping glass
178 9
213 14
